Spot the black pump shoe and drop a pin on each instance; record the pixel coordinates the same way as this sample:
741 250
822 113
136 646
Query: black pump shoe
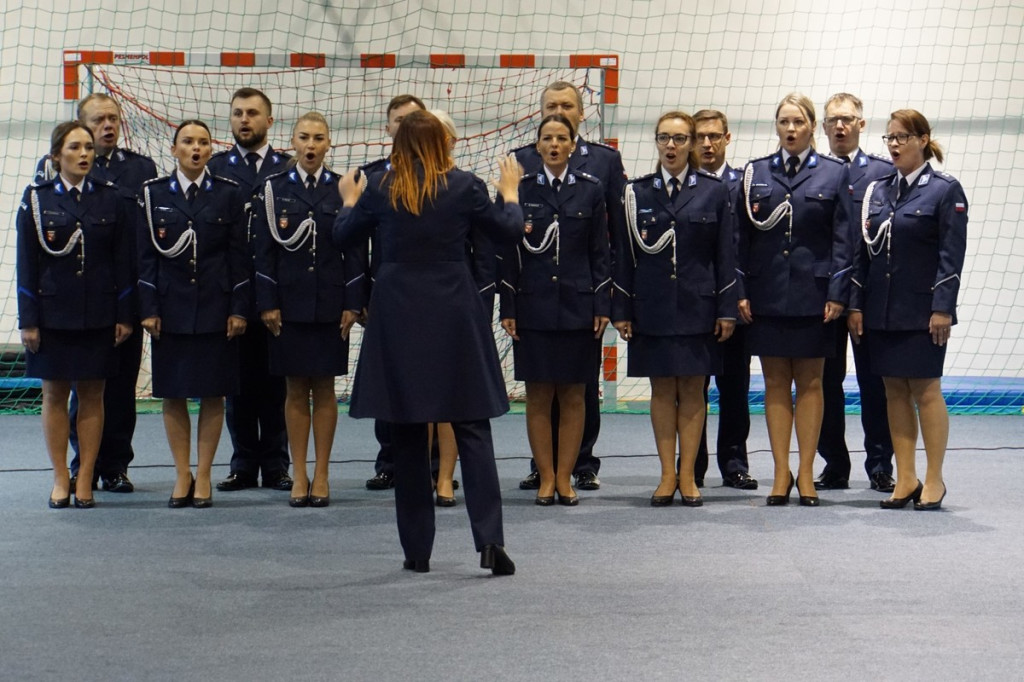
495 558
918 504
779 500
179 502
901 502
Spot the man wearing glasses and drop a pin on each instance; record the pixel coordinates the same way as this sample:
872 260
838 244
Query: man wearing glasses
844 121
713 136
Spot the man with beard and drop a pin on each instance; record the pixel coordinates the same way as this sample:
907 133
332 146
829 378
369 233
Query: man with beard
844 121
254 417
128 170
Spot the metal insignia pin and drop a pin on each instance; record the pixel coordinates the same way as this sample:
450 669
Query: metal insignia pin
161 232
282 222
528 226
51 235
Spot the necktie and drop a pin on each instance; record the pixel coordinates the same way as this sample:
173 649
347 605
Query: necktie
674 186
904 188
251 159
794 164
556 184
103 162
190 193
310 183
75 194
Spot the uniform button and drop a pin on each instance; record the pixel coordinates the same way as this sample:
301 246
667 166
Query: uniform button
788 195
192 281
672 276
312 250
310 214
820 195
78 224
190 223
554 278
672 224
78 274
80 257
786 253
192 261
310 269
887 275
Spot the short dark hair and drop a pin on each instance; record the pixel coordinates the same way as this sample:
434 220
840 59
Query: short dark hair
401 101
712 115
95 97
246 93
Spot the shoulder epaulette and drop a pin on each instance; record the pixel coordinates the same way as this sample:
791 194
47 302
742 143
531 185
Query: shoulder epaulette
525 146
643 177
222 152
585 176
833 159
943 175
163 178
879 157
274 176
602 145
227 180
708 174
760 158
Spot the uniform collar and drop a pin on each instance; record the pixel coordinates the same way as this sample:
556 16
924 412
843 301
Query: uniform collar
302 174
179 180
911 178
668 176
81 186
551 177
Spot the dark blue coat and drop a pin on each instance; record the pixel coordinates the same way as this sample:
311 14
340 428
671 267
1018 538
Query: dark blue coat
90 287
125 168
568 284
663 299
792 273
196 291
428 351
917 272
231 164
313 280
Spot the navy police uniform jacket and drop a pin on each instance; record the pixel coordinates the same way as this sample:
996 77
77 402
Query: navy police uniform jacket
310 280
792 269
914 268
90 286
558 278
195 291
695 230
125 168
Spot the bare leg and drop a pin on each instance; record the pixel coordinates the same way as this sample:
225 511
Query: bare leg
932 412
664 413
179 438
689 424
298 422
810 407
56 428
539 397
90 431
572 410
778 414
211 421
325 423
903 428
449 452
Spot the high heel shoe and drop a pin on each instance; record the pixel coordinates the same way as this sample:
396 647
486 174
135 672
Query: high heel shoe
901 502
919 505
566 500
688 501
545 501
663 500
303 501
60 503
417 565
496 558
808 500
443 501
779 500
317 501
179 502
90 503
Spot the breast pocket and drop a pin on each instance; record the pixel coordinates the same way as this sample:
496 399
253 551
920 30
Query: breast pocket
760 202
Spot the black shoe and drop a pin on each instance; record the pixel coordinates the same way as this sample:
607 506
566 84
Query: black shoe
566 500
443 501
779 500
808 500
918 504
179 502
236 481
61 503
381 481
118 483
587 480
299 502
829 481
495 558
317 501
901 502
688 501
740 480
882 482
418 565
531 482
74 483
281 481
662 500
544 501
90 503
202 502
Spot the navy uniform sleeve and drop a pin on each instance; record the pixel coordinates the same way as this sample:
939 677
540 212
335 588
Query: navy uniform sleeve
725 257
624 264
600 258
125 272
148 260
842 243
354 224
239 258
266 257
952 248
28 265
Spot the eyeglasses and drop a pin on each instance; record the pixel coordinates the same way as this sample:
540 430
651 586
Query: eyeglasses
663 138
847 121
898 138
713 138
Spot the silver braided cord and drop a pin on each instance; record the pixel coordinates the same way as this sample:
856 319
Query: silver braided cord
629 199
76 237
884 230
783 209
551 236
188 237
306 228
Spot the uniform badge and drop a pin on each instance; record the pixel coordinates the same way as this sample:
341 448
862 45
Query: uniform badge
528 227
643 233
282 222
755 207
51 235
161 232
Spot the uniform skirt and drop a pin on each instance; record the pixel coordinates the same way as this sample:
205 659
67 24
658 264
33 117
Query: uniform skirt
73 354
559 357
309 349
791 337
673 356
195 366
907 354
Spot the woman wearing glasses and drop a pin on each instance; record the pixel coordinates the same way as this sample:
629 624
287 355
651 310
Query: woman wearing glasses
914 226
675 294
795 252
555 301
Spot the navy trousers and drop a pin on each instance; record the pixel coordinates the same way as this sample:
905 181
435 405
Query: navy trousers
255 417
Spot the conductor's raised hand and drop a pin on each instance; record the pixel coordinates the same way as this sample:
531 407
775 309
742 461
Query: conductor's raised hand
507 183
350 188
